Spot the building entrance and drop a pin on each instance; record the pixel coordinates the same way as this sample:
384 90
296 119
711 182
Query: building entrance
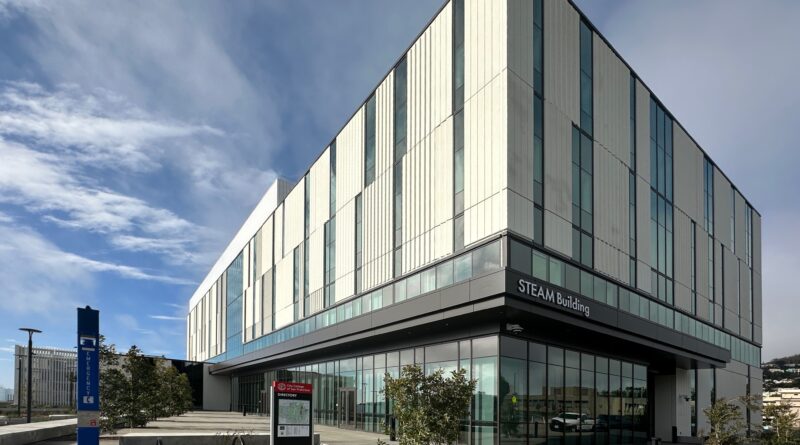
346 408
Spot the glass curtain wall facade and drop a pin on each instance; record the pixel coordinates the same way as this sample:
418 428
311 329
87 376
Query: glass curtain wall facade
582 158
538 121
233 287
661 209
528 392
458 125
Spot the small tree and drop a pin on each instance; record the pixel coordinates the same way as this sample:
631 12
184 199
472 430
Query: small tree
135 389
783 420
175 392
725 419
429 408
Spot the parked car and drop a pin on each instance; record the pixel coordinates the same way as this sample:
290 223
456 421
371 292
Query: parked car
3 420
572 422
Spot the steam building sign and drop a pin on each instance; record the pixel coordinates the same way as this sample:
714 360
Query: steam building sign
290 414
549 295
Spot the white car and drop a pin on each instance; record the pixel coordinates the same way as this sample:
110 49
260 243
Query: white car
572 422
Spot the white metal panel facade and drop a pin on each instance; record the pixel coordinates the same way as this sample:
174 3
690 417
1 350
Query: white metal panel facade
610 210
562 58
267 260
722 209
557 179
320 174
284 281
278 235
485 161
485 43
294 205
350 160
345 249
683 257
688 183
427 165
757 243
520 145
740 207
612 109
642 131
520 40
520 117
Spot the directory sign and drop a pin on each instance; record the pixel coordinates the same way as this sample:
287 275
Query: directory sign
290 414
88 384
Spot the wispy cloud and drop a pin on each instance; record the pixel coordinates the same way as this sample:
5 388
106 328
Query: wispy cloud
41 183
38 276
6 349
167 317
100 128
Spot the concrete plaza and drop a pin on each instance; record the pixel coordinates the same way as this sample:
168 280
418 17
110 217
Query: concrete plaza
226 423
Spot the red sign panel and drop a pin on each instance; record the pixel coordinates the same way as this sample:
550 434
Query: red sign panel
292 388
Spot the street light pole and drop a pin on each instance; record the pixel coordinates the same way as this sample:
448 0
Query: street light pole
30 332
19 385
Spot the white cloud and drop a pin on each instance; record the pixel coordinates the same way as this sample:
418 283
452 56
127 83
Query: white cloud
167 317
42 184
6 349
39 277
100 128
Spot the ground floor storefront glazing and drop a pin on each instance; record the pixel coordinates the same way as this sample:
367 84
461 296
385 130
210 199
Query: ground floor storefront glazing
527 392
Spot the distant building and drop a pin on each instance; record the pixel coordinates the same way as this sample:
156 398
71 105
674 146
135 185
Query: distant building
54 372
6 394
53 376
785 395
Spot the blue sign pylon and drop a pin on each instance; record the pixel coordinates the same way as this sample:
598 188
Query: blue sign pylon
88 385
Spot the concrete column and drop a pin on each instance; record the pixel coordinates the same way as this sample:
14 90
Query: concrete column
671 404
216 391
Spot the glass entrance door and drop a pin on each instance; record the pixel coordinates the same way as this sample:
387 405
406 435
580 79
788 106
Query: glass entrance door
346 408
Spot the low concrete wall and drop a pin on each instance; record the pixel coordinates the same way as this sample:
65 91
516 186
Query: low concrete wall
198 439
36 432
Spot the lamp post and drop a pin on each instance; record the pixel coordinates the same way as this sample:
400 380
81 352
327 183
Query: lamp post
30 332
19 385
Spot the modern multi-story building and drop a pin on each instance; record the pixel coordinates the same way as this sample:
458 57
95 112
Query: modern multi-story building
6 394
512 199
53 376
787 396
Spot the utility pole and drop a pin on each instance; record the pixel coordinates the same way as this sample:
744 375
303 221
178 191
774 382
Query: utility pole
30 332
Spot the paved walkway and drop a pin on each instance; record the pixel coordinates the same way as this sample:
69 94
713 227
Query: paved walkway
207 422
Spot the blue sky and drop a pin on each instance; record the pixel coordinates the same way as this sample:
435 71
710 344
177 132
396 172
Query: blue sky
135 139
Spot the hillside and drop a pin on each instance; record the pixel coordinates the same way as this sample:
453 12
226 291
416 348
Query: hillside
783 361
782 372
